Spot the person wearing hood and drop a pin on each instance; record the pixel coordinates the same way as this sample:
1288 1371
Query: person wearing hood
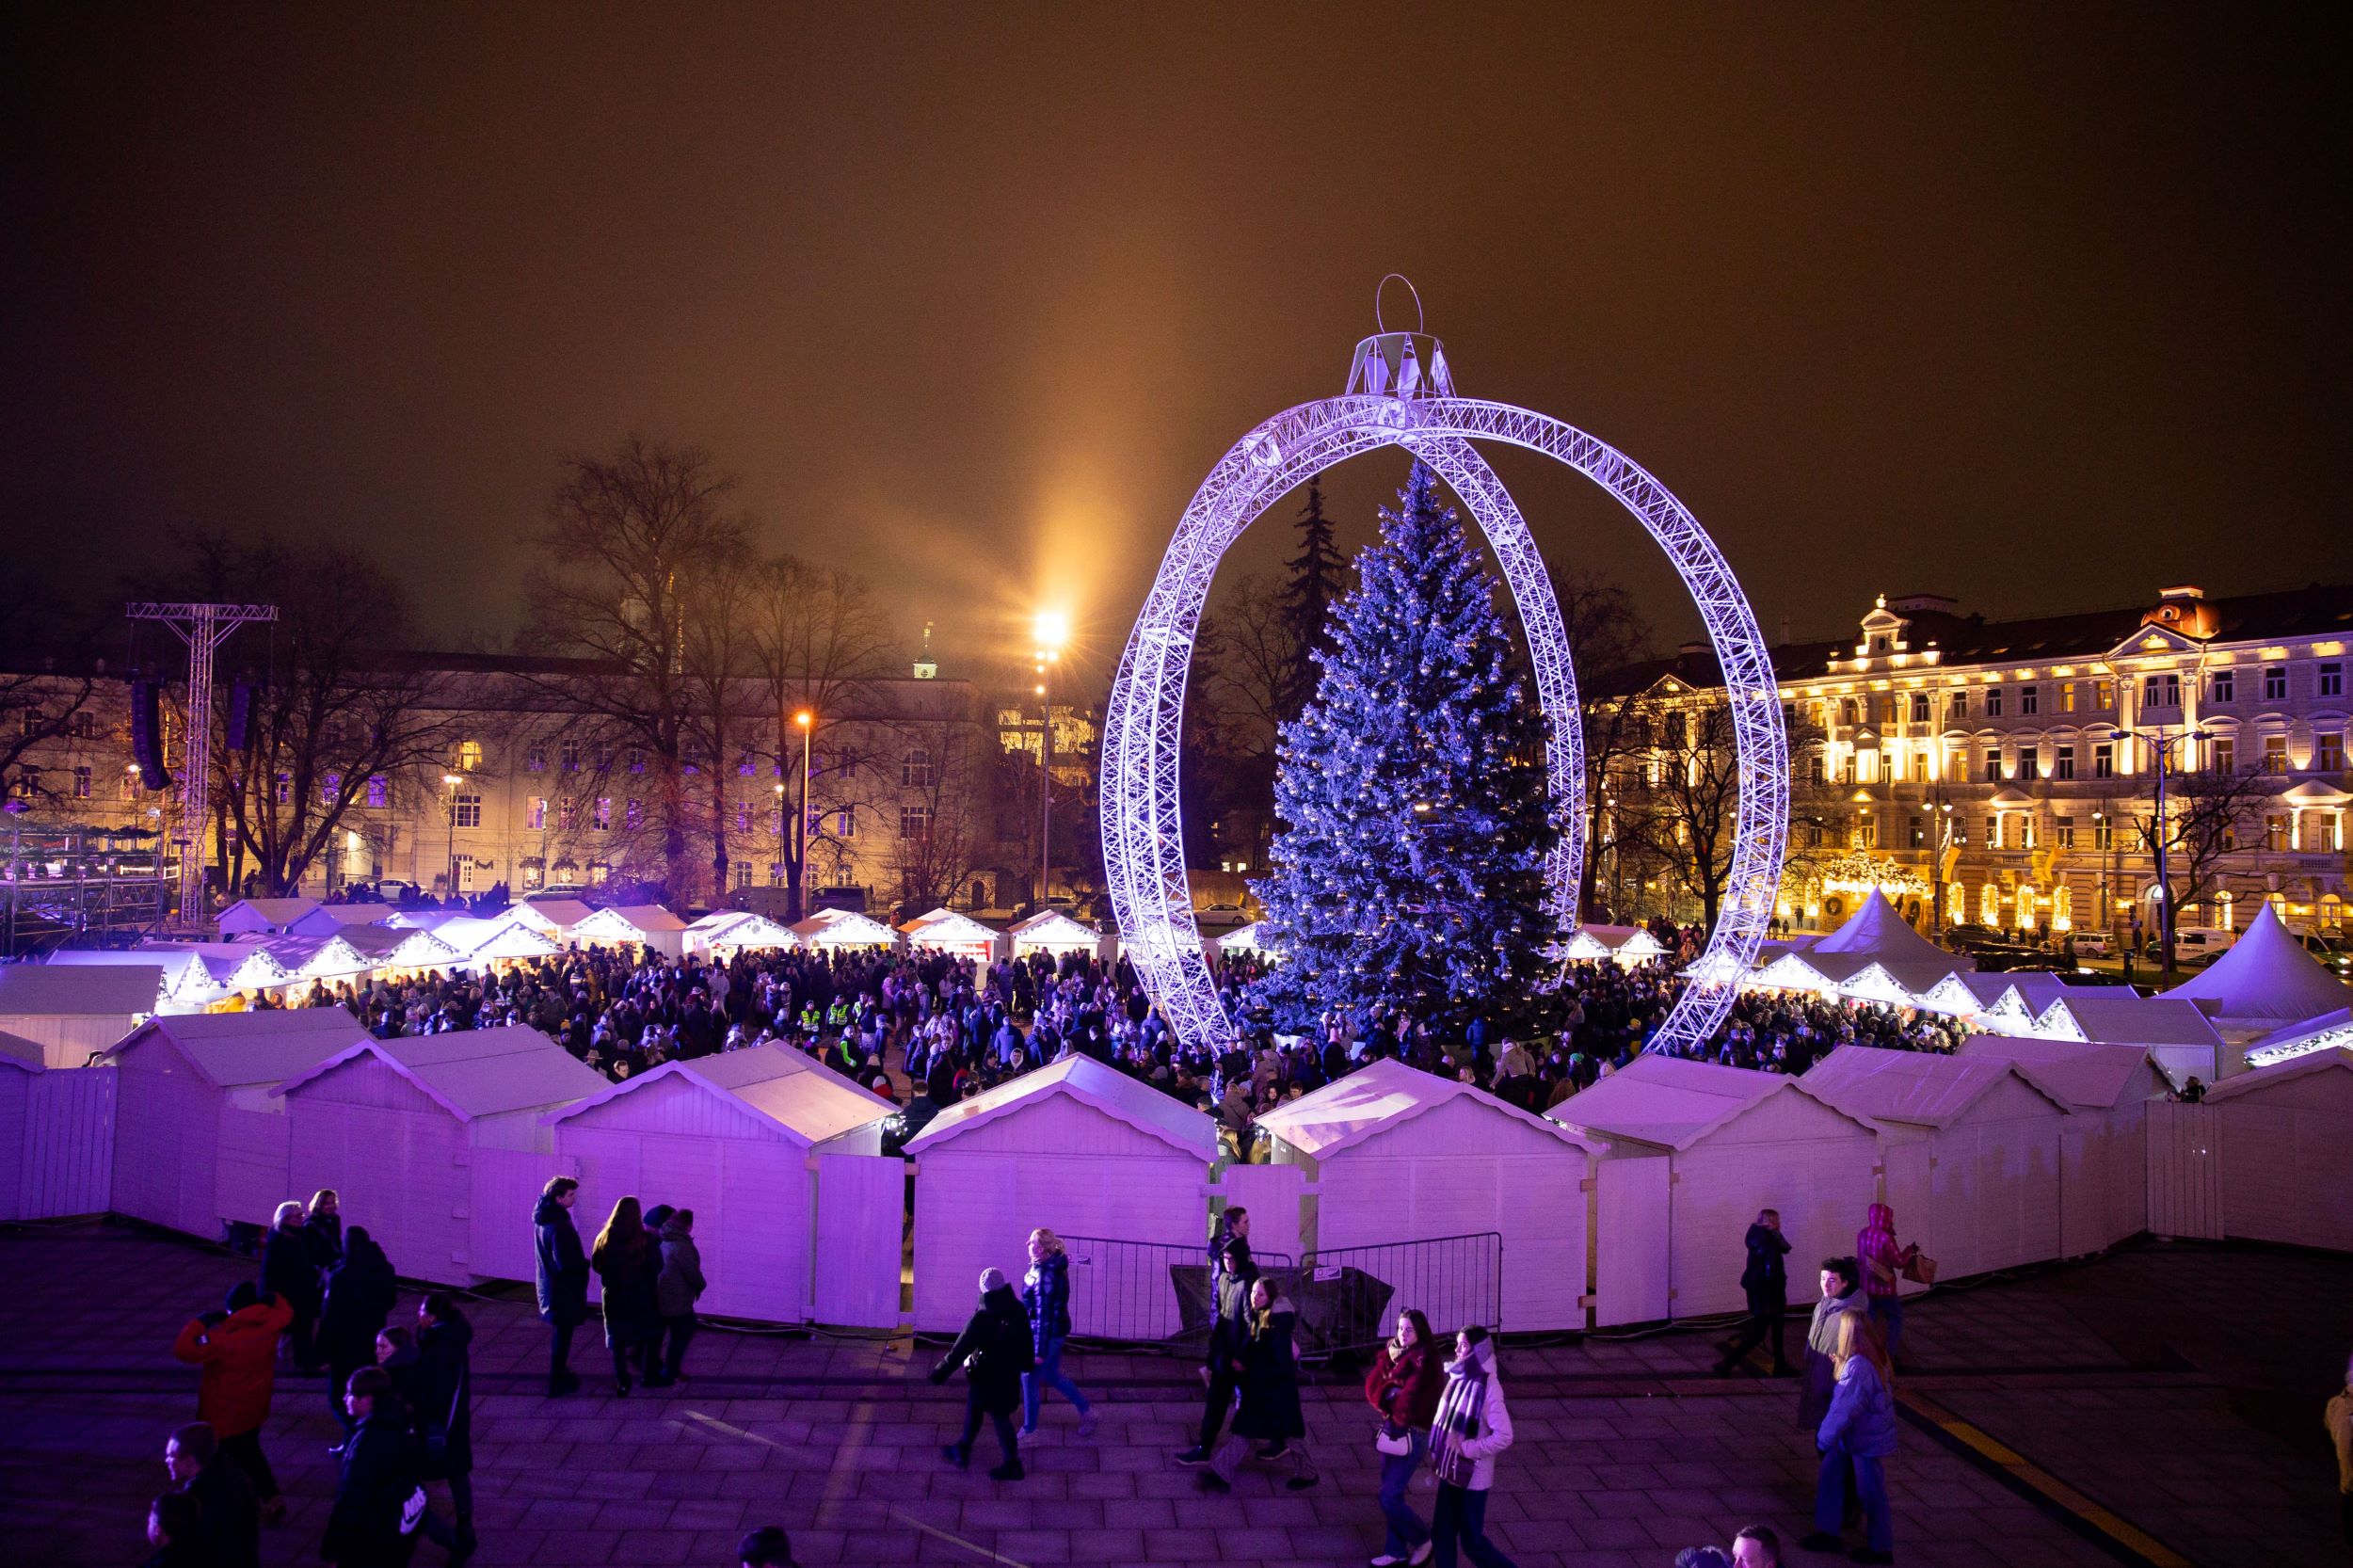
1270 1411
1765 1283
676 1289
290 1271
1855 1440
440 1394
360 1294
1883 1263
563 1277
995 1352
1045 1295
237 1350
1472 1427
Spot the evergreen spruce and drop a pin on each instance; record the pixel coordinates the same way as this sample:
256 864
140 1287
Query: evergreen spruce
1416 810
1317 573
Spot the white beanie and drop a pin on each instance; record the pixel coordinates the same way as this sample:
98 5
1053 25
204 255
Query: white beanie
992 1279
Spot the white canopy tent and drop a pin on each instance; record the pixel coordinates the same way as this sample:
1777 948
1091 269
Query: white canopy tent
1623 944
2103 1144
724 930
392 948
222 969
1877 931
842 928
306 958
481 942
945 930
1243 938
2266 980
332 920
1822 974
638 924
2182 1040
1695 1150
1051 931
1973 1160
555 916
2330 1031
263 916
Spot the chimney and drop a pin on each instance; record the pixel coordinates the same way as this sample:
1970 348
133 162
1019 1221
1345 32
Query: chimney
2186 590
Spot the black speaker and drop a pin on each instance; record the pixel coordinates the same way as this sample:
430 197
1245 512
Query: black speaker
242 698
147 734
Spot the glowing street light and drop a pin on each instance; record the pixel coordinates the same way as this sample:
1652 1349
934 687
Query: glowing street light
1051 630
806 722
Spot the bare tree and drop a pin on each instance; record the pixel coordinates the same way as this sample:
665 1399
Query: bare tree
1606 635
2208 813
934 848
629 545
1685 815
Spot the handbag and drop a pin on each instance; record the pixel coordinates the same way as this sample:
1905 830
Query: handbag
1390 1438
1920 1269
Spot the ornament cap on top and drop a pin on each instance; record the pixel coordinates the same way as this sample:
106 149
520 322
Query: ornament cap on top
1399 364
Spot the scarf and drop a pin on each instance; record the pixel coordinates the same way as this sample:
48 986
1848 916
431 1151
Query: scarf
1461 1409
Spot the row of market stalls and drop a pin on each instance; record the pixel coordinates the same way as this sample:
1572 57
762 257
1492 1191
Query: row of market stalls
1625 1205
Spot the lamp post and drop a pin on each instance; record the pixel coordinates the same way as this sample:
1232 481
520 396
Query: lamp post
453 781
807 721
1052 629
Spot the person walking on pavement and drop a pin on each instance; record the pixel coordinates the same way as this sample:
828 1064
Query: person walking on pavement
322 1222
627 1261
175 1528
676 1288
2339 1419
1046 1294
1231 1276
994 1351
1842 1296
1883 1264
290 1271
563 1277
377 1498
237 1350
229 1522
1406 1379
360 1294
1856 1439
1270 1411
1765 1283
440 1401
1473 1425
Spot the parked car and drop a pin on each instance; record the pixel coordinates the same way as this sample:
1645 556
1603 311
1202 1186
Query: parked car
1222 914
2331 950
2094 946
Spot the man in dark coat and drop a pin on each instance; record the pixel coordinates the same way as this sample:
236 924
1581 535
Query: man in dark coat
229 1528
290 1271
1230 1280
1766 1282
994 1352
360 1293
563 1277
378 1484
440 1392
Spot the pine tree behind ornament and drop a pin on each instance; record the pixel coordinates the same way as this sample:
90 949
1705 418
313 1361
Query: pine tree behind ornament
1415 808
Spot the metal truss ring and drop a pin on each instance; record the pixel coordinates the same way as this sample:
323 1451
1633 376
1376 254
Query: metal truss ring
1143 842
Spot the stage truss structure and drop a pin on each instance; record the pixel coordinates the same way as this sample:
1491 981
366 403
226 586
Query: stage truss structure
1401 393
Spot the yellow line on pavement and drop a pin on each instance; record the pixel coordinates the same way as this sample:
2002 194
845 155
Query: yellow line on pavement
2032 1476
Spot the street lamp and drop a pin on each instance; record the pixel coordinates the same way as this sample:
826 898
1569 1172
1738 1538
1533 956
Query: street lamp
1051 630
807 722
453 781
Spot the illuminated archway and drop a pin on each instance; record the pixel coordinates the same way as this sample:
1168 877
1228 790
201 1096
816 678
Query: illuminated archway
1401 393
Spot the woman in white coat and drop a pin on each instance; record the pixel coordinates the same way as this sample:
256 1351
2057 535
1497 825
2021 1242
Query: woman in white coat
1474 1425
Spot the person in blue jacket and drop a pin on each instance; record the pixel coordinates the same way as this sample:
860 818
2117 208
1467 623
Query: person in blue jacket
1859 1431
1045 1292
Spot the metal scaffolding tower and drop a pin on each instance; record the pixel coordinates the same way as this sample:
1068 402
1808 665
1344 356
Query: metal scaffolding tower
203 628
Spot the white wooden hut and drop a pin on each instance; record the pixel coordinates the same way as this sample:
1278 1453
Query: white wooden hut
2329 1032
2283 1148
74 1010
1400 1156
333 919
2181 1039
265 916
198 1140
632 924
1621 944
1051 931
1076 1147
394 952
1979 999
217 971
1973 1156
1818 974
1243 938
945 930
2103 1144
553 916
435 1142
21 1062
486 943
305 959
730 931
1704 1148
796 1213
842 928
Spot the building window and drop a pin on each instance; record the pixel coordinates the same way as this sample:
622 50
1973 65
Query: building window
2275 754
469 810
600 756
330 787
845 823
915 822
637 759
2104 694
1993 831
2275 682
1919 707
81 783
2026 830
2067 696
1993 702
633 815
2320 832
285 789
568 815
2222 686
603 818
1993 764
2332 681
470 756
536 813
568 756
2275 833
532 874
1814 835
131 784
380 792
1813 771
2225 755
2030 700
2161 691
2063 762
1956 903
743 816
915 773
745 766
1957 708
1847 712
1919 831
2104 760
536 758
2328 751
2063 828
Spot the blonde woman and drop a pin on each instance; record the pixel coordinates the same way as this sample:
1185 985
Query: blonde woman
1859 1431
290 1271
1046 1291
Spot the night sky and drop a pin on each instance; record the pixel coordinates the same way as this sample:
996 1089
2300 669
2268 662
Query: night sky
2039 310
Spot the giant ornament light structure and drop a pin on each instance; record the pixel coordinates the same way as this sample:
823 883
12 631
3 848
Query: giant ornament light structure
1401 393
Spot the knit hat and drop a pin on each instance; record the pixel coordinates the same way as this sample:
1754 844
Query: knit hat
992 1279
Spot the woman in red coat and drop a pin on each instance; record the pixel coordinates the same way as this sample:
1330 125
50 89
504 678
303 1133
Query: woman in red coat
1404 1384
238 1351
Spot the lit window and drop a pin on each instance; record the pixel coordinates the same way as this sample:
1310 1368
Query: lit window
2063 831
380 792
81 783
2104 760
330 786
536 813
603 818
568 815
2067 696
1993 832
468 756
285 789
2327 751
633 815
2104 694
2275 754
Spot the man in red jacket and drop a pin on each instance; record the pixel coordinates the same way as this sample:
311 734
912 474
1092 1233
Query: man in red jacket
238 1351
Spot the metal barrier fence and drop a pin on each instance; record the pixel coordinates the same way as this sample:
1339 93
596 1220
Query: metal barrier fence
1155 1294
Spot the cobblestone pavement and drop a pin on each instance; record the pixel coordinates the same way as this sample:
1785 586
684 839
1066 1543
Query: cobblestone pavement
2179 1388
